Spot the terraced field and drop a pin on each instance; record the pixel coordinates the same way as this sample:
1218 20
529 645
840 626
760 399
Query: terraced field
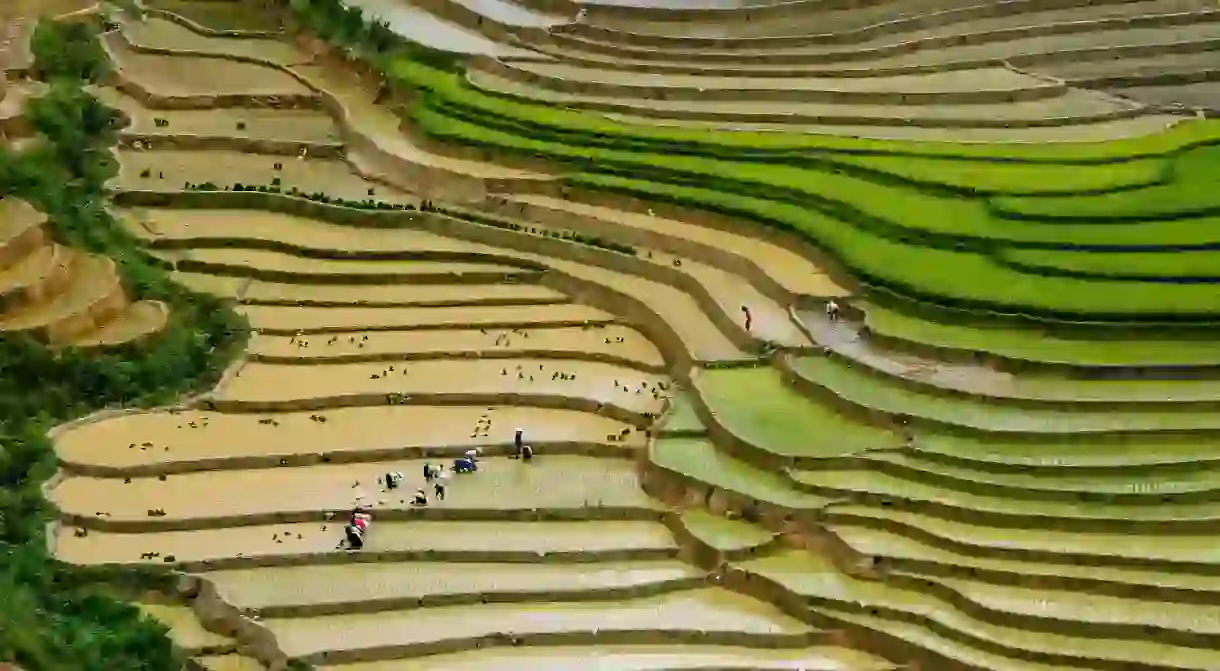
846 338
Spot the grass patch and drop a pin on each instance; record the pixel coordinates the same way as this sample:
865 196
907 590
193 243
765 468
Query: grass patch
755 405
698 459
1041 346
681 417
893 396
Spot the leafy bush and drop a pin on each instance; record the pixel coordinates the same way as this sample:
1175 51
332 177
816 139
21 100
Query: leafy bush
56 617
68 51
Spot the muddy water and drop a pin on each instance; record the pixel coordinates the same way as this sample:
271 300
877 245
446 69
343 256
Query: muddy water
707 610
631 658
381 126
170 170
733 295
162 437
301 231
292 540
796 273
309 585
701 337
1071 104
219 285
288 125
598 382
420 26
603 341
360 318
162 34
994 78
555 482
162 75
1098 131
434 295
511 13
375 122
244 259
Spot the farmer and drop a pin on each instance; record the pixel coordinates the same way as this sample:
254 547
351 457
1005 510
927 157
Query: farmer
748 317
439 485
465 465
421 498
518 442
429 472
392 479
832 311
357 527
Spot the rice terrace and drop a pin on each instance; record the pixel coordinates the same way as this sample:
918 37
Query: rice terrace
614 335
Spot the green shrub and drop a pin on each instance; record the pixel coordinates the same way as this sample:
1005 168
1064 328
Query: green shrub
56 617
68 51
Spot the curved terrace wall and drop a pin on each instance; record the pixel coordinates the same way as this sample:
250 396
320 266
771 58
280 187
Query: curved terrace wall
897 49
427 180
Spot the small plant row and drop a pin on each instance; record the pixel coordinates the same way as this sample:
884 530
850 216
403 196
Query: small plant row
275 187
565 235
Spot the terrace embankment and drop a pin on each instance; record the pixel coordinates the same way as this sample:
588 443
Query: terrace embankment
408 346
726 472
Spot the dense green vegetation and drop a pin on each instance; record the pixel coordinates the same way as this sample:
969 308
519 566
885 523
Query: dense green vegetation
932 221
56 617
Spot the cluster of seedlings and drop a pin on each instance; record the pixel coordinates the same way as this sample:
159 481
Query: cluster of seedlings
656 389
385 373
564 235
275 187
144 447
271 421
619 437
168 559
482 426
